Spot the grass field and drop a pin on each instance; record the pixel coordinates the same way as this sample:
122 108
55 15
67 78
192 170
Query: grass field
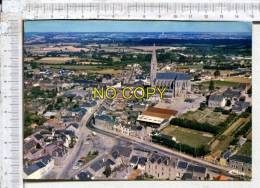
238 80
220 84
246 149
223 143
87 68
207 115
187 136
55 60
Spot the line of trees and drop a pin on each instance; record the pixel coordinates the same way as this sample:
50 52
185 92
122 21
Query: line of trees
168 142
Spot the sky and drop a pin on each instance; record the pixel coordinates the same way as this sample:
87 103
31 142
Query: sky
134 26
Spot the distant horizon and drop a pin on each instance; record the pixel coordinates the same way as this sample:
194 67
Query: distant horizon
137 32
116 26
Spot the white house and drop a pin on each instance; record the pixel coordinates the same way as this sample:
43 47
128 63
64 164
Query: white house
216 101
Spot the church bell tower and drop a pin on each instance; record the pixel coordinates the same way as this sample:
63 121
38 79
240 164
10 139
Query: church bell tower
153 67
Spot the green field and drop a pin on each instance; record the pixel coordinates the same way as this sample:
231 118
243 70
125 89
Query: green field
187 136
205 116
246 149
220 84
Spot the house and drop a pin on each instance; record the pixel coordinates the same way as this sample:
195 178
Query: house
74 127
134 160
216 101
123 129
181 168
198 172
121 153
29 145
240 106
39 169
161 167
57 151
241 163
98 166
232 94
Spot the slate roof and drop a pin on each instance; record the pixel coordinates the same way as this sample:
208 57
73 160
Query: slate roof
124 151
115 154
29 145
75 125
182 165
172 76
97 165
196 169
229 93
38 136
33 168
134 159
240 105
46 159
159 159
109 162
227 154
89 104
187 176
216 98
142 161
85 176
104 118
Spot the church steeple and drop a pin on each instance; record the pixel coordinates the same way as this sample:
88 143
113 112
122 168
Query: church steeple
153 66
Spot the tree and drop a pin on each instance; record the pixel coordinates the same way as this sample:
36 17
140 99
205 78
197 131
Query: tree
228 103
217 73
107 172
211 85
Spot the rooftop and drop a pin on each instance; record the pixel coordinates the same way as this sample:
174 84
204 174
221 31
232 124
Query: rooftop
33 168
172 76
159 112
218 98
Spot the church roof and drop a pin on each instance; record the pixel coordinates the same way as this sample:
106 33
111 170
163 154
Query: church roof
172 76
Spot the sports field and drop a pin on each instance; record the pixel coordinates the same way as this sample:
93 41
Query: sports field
187 136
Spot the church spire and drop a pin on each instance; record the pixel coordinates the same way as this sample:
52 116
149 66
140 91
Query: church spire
153 66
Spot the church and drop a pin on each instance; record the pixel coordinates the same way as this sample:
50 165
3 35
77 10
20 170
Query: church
178 84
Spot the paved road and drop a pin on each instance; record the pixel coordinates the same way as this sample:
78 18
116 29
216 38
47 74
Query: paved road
74 154
161 149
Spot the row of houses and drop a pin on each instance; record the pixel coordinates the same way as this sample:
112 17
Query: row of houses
154 164
51 142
